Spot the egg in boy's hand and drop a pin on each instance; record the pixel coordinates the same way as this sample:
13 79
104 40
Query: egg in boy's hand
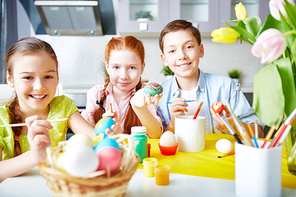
217 107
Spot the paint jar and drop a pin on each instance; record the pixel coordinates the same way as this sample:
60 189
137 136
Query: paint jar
162 174
149 166
140 141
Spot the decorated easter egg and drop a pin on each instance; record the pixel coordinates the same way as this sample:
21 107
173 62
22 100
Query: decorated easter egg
103 124
153 89
79 139
224 146
109 156
168 139
80 160
97 138
105 143
217 107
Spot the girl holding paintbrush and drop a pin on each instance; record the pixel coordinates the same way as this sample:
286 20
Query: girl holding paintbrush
32 70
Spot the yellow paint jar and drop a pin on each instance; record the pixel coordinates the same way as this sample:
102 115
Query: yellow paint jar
162 174
149 165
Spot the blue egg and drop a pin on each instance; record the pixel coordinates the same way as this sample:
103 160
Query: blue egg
153 89
103 124
106 142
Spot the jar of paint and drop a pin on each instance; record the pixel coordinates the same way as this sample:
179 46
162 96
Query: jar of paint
149 166
140 141
162 174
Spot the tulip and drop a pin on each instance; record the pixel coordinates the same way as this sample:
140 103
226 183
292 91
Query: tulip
269 46
240 11
224 35
277 5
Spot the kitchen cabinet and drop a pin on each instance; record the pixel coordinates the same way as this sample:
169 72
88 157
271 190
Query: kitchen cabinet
206 15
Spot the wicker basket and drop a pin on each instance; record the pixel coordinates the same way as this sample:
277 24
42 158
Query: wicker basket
63 184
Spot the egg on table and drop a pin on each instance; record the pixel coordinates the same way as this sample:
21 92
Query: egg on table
168 139
80 160
224 146
103 124
153 89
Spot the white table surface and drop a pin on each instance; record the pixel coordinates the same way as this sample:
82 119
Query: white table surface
32 184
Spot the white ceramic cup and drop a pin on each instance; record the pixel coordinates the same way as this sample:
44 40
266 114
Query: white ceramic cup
190 133
258 172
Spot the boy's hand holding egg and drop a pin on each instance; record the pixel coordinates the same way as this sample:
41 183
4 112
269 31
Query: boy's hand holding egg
150 94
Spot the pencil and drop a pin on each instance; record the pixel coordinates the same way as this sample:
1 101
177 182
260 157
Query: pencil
25 124
197 111
268 136
256 129
277 137
186 101
287 130
253 136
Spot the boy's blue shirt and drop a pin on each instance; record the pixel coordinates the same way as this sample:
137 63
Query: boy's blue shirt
211 88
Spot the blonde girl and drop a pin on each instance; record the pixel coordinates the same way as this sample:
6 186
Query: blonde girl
32 70
124 62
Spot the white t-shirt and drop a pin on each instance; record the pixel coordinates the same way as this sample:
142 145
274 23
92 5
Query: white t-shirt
192 106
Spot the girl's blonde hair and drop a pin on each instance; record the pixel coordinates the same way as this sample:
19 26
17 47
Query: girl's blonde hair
21 48
136 46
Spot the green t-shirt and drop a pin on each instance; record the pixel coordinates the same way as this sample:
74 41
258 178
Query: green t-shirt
60 107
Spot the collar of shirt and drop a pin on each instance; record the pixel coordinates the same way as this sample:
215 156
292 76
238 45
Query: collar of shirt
175 90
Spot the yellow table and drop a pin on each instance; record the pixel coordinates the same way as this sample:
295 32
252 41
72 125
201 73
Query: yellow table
207 164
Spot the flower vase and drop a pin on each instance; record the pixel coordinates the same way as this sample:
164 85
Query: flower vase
290 145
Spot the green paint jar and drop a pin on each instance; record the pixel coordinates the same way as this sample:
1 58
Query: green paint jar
140 141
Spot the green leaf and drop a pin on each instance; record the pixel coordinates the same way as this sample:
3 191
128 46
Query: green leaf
253 25
242 25
268 98
286 27
243 32
291 12
285 70
270 22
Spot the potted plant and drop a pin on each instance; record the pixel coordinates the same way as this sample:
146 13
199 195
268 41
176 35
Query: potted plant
234 74
167 72
143 15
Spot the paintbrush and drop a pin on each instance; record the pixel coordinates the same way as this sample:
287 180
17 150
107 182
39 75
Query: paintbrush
253 136
239 125
226 155
186 101
25 124
197 111
268 136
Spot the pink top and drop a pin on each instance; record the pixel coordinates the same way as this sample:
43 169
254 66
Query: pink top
121 108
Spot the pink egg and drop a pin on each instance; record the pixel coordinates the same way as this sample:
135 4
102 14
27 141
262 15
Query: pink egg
109 156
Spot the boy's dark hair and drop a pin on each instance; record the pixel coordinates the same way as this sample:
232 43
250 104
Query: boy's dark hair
177 25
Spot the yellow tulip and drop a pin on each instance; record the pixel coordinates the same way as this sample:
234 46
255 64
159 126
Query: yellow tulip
224 35
240 11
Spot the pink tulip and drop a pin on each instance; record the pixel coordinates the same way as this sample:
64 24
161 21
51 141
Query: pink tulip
269 46
277 5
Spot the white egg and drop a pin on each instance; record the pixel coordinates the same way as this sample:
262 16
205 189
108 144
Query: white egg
168 139
224 146
80 160
79 139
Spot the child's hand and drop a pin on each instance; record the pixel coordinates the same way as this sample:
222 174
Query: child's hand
140 99
115 128
177 108
38 136
221 126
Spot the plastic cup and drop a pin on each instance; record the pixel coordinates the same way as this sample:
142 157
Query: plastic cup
190 133
149 166
258 171
162 174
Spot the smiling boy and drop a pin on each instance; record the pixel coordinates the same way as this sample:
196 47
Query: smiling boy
181 48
